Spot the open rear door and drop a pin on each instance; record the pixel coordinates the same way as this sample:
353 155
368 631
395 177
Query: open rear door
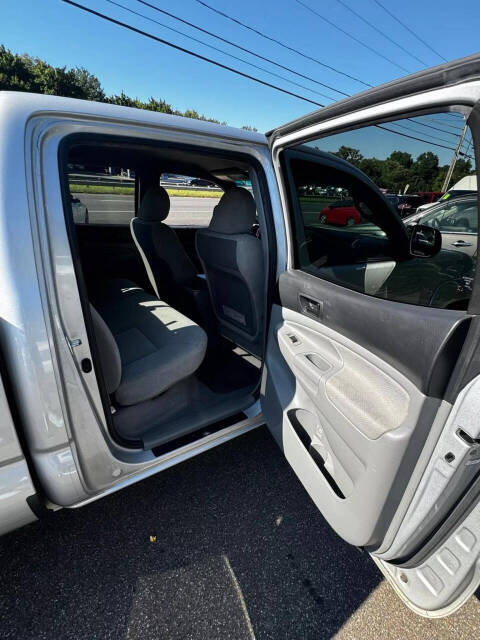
372 376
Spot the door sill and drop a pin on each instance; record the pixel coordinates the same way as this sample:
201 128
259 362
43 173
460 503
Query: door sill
183 453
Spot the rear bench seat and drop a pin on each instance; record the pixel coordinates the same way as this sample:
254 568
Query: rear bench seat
145 346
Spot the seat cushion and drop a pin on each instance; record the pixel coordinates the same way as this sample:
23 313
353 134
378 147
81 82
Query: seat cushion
158 345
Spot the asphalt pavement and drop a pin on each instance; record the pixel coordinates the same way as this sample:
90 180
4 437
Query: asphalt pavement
238 552
106 208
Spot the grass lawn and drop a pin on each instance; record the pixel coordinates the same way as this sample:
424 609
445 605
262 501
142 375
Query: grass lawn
128 191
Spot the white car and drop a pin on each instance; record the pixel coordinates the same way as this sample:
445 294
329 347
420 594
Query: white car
79 211
464 186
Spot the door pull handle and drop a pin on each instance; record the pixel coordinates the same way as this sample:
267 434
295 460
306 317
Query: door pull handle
461 243
310 306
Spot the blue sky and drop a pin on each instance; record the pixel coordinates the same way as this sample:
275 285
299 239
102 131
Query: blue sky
122 60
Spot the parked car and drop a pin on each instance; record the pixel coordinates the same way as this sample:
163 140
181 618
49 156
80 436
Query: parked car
465 186
429 197
408 204
128 348
393 200
79 210
200 182
457 221
342 212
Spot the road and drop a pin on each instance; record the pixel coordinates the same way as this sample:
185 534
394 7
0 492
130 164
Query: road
106 208
240 553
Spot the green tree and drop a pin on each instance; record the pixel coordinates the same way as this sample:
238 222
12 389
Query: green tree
462 168
349 154
373 168
424 171
24 73
394 176
89 84
402 158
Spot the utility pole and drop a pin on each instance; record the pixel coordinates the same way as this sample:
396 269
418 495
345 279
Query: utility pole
448 177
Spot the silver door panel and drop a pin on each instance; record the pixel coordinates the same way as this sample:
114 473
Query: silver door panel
355 411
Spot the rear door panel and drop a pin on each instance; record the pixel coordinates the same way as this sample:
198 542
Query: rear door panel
354 383
355 411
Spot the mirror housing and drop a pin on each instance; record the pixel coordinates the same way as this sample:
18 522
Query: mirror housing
425 242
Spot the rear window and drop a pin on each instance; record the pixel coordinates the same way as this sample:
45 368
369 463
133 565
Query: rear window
106 195
102 195
192 199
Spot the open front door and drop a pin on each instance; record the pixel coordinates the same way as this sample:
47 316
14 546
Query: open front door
372 373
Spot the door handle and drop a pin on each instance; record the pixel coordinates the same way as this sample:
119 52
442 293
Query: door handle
310 306
461 243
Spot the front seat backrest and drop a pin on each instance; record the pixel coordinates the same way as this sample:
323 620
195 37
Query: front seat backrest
232 258
168 266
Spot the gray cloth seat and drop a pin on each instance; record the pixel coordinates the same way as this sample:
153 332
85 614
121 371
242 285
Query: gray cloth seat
145 345
167 264
232 257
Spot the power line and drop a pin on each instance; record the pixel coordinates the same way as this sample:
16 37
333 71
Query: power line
282 44
407 128
467 150
410 30
431 126
446 124
214 35
387 37
235 20
233 44
190 53
406 135
226 67
349 35
210 46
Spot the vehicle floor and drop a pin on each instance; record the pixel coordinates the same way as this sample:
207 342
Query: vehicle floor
224 385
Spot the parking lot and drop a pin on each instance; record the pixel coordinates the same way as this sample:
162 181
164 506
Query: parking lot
240 552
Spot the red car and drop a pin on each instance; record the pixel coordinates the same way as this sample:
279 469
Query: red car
428 197
342 213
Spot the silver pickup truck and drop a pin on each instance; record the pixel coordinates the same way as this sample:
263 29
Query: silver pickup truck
148 331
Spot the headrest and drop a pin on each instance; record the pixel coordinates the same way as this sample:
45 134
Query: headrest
235 213
155 205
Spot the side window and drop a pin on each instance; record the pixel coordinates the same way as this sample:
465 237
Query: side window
192 199
351 232
456 216
101 195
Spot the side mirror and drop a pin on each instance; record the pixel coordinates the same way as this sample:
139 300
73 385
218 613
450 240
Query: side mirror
425 242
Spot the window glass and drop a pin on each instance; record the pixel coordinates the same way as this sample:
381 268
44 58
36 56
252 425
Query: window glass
102 195
106 195
192 199
347 230
458 216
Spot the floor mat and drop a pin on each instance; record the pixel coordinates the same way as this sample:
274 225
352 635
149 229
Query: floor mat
228 368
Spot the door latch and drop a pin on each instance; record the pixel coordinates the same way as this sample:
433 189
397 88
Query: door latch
310 306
